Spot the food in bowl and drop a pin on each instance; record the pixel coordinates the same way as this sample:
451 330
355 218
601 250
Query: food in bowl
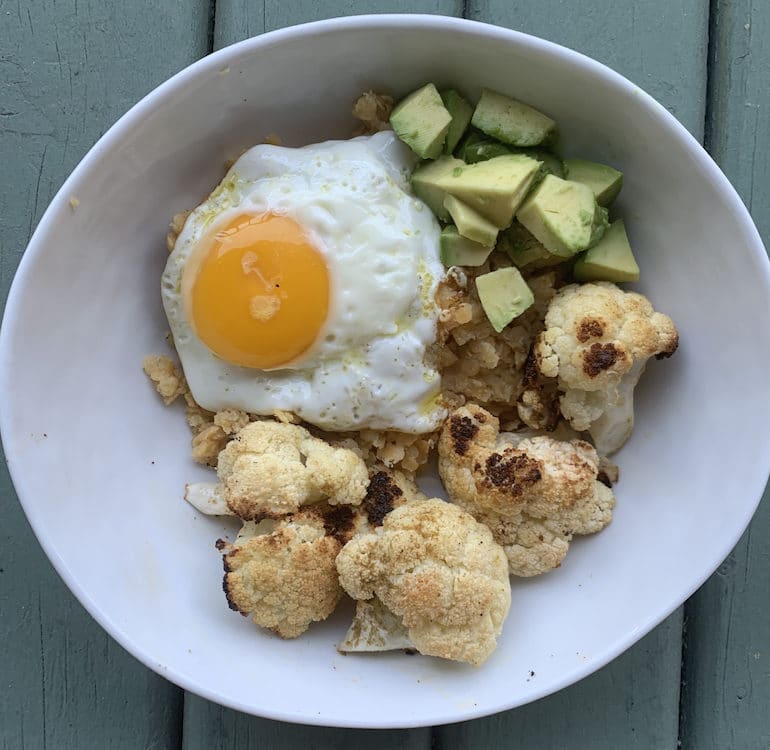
306 282
331 334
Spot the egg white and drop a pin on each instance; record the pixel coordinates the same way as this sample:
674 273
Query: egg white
368 368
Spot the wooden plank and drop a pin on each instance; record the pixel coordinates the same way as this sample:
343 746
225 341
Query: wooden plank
726 688
628 704
726 671
206 725
67 71
634 701
661 46
241 19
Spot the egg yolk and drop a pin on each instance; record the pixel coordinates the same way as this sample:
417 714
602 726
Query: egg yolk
259 294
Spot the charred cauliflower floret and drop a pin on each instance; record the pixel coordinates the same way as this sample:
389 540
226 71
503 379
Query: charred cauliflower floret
388 489
282 573
534 493
270 469
596 343
440 572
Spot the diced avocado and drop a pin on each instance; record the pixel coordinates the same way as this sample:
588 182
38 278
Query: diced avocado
603 180
421 121
460 251
461 112
485 150
504 296
481 148
524 249
551 164
471 137
611 259
511 121
477 147
425 183
470 223
564 216
495 188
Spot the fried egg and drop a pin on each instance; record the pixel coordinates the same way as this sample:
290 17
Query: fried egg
306 282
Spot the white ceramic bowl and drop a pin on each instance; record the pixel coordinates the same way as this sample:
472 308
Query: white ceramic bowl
100 464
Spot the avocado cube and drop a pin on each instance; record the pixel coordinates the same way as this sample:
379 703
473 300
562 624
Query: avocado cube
461 112
421 121
460 251
426 183
504 295
611 259
495 188
524 249
485 151
605 181
470 223
477 147
511 121
564 216
551 164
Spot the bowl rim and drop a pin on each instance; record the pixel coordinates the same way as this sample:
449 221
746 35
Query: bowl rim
217 61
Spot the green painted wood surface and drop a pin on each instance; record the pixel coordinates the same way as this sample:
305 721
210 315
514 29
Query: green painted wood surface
638 694
67 72
726 689
641 690
631 703
661 45
207 725
241 19
211 727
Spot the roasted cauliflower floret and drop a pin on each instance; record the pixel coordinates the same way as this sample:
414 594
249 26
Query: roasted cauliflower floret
534 493
270 469
387 489
282 573
596 342
538 404
532 546
438 570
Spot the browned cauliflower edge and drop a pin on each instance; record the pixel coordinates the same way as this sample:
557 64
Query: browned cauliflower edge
534 493
283 573
439 571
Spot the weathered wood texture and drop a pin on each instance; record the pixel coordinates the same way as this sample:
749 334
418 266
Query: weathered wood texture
631 703
67 71
726 689
211 727
639 693
241 19
634 701
207 725
661 45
